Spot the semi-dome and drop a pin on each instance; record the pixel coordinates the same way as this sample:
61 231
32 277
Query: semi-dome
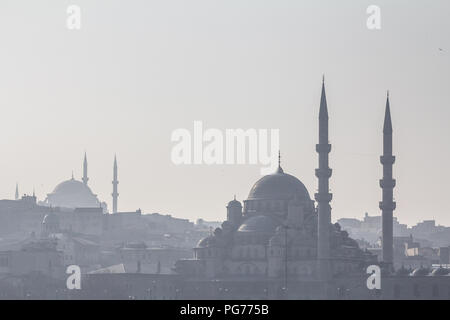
208 241
262 224
278 186
420 272
440 272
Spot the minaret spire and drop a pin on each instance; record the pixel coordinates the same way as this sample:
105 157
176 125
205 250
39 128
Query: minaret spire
16 196
387 126
323 197
279 170
323 112
115 182
85 169
279 158
387 184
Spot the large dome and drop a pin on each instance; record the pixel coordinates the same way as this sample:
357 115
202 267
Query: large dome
72 194
278 186
72 186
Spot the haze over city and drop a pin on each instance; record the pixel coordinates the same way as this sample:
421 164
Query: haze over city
135 73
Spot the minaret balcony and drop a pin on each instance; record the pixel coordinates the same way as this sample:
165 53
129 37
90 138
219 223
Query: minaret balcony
323 173
323 148
388 206
387 183
323 197
387 159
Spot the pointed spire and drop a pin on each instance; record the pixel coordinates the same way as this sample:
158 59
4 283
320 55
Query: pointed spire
387 127
17 191
85 169
115 182
323 113
279 170
72 175
34 193
279 158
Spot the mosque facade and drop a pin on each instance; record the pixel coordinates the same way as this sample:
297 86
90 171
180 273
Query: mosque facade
74 193
280 232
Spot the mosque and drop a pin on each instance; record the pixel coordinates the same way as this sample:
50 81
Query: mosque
280 232
73 193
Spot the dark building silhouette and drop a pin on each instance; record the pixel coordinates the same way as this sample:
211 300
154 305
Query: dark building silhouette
387 205
323 197
280 236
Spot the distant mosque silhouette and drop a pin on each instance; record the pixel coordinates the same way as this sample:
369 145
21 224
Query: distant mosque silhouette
73 193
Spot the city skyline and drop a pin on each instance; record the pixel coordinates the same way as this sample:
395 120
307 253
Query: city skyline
84 92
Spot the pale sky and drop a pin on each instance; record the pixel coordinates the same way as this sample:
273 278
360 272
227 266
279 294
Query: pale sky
138 70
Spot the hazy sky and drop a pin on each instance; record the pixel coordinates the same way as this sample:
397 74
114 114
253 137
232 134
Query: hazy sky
137 70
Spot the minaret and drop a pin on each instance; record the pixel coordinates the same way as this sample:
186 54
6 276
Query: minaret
85 168
387 184
323 197
16 196
115 195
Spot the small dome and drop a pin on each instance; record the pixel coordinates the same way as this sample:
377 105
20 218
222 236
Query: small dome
262 223
440 272
278 186
420 272
402 272
50 219
234 203
206 242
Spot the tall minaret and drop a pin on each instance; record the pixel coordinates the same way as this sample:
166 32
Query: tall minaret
115 195
323 197
387 184
16 196
85 167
